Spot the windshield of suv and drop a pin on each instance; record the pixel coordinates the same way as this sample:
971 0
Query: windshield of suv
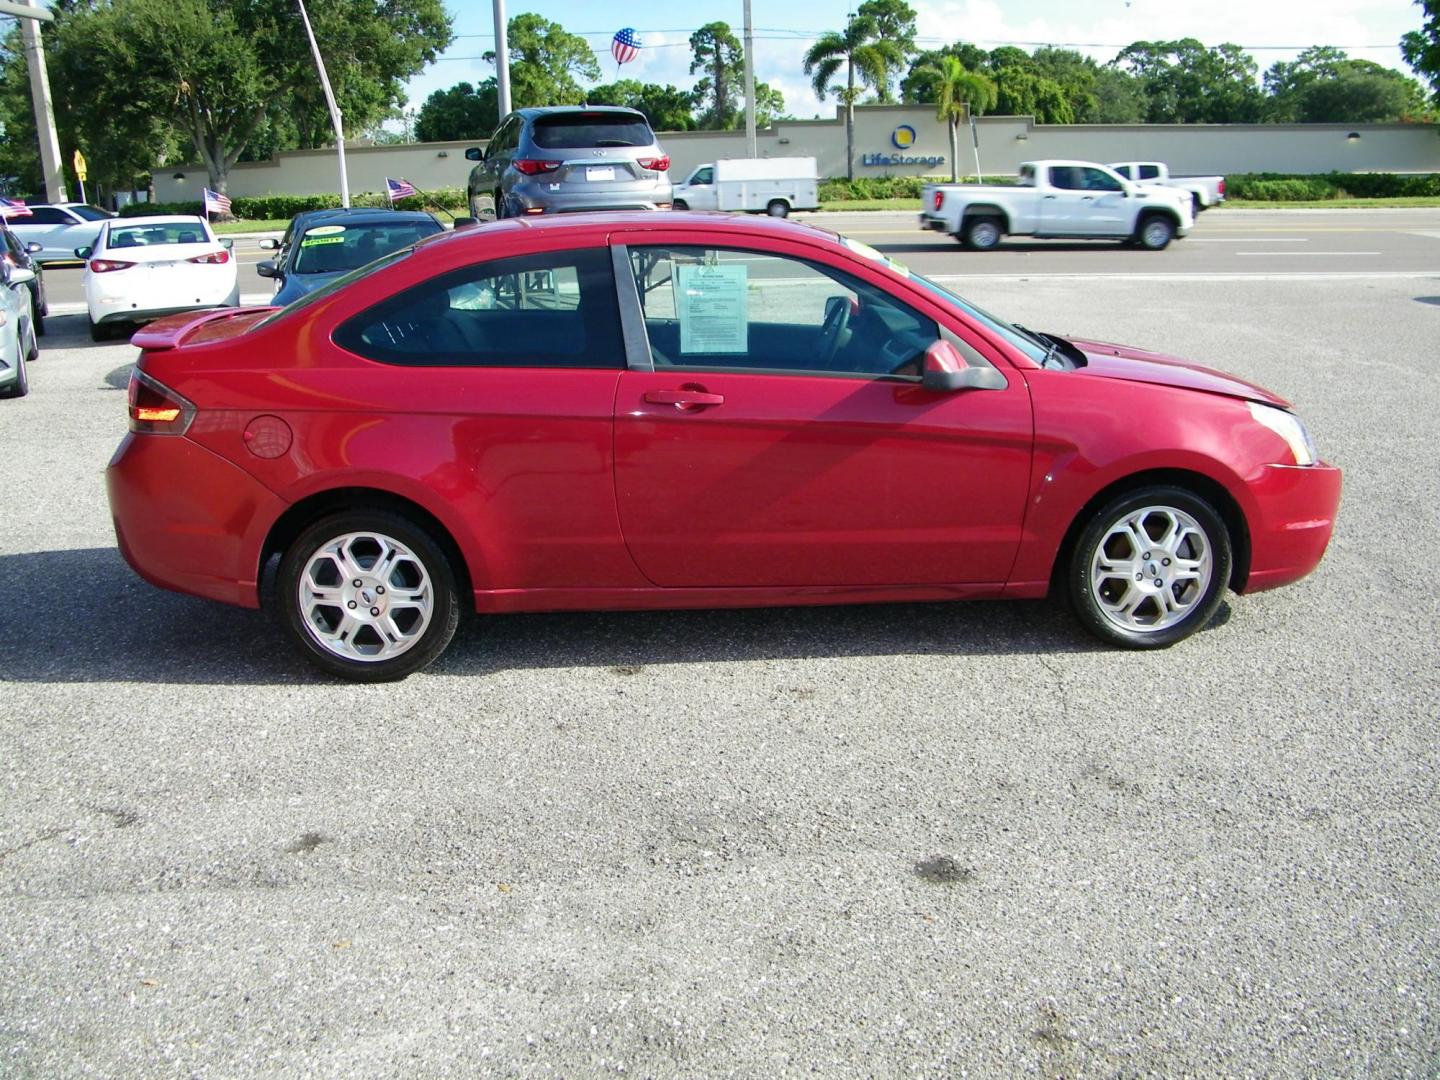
590 131
335 249
332 287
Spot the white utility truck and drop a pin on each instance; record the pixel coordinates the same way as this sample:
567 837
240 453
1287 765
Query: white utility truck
1205 191
773 186
1061 199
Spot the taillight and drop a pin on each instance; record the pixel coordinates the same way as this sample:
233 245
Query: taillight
1222 185
532 166
939 199
659 164
105 266
215 258
155 409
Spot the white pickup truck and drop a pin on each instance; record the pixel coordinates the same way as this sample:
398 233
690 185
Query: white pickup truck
1069 199
1205 191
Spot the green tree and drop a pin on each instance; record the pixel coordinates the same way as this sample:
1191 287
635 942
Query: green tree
961 94
1361 92
894 21
1421 48
769 105
1021 92
1186 83
867 58
921 84
461 112
547 62
668 108
1119 98
717 52
1078 79
1287 80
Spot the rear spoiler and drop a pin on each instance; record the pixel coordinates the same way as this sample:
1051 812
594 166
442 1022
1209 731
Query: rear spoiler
171 331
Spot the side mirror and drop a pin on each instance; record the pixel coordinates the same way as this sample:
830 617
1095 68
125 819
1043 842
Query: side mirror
226 243
267 268
18 275
269 244
474 153
83 252
944 370
465 223
5 271
33 248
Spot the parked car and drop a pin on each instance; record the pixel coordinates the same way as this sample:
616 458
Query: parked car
18 345
1063 199
59 228
773 186
141 268
20 254
625 411
1205 191
567 158
321 245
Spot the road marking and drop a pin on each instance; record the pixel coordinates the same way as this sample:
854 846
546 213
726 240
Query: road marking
1242 240
1245 253
1258 275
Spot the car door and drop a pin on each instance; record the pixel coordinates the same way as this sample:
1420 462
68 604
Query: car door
52 228
700 189
1084 201
776 434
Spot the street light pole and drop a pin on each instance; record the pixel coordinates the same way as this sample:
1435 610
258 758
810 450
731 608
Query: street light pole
502 60
30 17
750 144
330 101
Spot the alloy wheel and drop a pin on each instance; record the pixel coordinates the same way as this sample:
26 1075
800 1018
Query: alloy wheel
1151 569
365 596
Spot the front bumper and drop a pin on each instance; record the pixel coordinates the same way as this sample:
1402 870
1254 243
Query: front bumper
1291 523
187 519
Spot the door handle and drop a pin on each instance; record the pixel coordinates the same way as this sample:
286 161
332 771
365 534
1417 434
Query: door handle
684 399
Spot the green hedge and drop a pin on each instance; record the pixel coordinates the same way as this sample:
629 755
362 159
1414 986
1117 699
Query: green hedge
888 187
281 207
1289 187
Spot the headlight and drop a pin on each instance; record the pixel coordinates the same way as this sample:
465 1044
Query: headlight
1290 428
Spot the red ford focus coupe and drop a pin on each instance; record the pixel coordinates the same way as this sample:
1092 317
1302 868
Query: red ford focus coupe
673 410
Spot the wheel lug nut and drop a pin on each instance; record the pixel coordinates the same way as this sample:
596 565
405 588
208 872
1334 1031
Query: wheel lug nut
1145 556
380 589
1138 577
1164 562
357 582
374 611
351 604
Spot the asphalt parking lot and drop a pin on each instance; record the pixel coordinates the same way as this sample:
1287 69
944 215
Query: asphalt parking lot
939 840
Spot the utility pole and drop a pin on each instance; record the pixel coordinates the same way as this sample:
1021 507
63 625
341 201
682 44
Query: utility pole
31 16
334 108
751 149
502 60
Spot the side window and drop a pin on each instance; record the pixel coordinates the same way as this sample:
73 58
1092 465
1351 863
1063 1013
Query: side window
704 176
47 215
556 309
512 134
1149 172
1065 177
720 309
1098 180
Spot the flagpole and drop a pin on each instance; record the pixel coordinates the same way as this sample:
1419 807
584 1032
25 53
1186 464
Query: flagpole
334 108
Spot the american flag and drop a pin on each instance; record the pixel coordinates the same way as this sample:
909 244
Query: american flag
625 46
398 189
13 208
215 203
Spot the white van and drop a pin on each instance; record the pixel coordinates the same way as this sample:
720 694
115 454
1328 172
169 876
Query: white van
773 186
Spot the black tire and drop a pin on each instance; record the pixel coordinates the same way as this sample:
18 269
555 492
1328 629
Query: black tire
99 331
1193 611
21 386
423 550
1196 205
1154 232
37 317
679 204
499 206
983 233
778 208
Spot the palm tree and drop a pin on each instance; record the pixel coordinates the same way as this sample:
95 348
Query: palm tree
961 93
864 53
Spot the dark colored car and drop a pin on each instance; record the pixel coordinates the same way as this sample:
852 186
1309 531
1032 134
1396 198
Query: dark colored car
321 245
20 253
688 410
569 158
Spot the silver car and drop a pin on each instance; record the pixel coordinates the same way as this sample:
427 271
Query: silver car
566 159
18 346
60 228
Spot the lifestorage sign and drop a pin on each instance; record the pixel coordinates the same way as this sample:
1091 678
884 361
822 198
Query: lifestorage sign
881 160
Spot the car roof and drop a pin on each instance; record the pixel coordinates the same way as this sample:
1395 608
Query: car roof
158 219
531 111
363 215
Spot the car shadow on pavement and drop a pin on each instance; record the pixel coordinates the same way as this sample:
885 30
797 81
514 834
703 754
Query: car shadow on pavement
89 618
1428 300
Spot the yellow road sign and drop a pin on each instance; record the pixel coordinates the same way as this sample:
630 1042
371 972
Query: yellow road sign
80 170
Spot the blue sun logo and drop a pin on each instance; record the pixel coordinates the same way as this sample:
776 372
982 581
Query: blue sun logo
903 137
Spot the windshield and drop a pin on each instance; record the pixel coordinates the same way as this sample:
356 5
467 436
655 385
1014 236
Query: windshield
337 249
167 232
332 287
590 130
89 213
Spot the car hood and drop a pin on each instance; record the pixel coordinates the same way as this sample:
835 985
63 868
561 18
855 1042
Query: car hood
1109 361
297 285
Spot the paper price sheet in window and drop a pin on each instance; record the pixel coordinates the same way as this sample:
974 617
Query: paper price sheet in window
711 305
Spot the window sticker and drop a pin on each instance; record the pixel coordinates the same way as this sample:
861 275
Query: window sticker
711 304
325 230
312 241
868 252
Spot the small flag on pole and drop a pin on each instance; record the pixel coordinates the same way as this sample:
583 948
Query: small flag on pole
398 189
215 203
13 208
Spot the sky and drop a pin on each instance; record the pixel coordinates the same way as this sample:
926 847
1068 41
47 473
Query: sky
1270 29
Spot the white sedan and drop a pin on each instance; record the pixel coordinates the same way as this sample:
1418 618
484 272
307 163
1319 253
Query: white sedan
141 268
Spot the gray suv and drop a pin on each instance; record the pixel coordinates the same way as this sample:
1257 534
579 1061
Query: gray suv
569 158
